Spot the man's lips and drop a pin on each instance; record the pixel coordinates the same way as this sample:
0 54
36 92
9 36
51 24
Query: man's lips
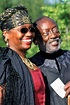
55 41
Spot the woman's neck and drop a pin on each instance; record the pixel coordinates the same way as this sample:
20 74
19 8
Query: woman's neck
21 53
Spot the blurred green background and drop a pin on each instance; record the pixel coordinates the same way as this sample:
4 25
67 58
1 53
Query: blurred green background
59 10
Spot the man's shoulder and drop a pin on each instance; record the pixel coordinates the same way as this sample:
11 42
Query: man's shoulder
40 57
65 52
64 55
37 59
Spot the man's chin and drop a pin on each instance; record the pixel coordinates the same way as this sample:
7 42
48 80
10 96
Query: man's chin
51 50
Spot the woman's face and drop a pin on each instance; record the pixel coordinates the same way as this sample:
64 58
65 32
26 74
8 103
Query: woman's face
21 37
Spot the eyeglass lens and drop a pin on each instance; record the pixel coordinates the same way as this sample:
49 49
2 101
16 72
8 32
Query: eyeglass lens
54 31
25 30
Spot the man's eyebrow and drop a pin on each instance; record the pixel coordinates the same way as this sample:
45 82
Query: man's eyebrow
54 27
49 28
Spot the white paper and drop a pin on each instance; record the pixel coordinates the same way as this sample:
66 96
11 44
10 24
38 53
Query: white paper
58 87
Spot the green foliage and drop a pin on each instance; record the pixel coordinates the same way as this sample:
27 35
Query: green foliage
4 4
2 43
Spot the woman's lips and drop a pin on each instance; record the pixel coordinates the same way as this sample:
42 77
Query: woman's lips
27 40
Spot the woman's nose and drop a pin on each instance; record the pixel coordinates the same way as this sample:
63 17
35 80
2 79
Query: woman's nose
30 33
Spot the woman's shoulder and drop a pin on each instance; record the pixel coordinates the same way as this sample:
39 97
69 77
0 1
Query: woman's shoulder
3 53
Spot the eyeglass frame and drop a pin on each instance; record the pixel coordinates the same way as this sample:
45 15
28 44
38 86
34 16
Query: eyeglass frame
51 31
27 29
31 29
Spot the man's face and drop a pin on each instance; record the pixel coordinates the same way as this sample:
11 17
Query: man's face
49 40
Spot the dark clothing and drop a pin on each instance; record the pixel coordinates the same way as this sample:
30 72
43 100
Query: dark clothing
54 66
19 89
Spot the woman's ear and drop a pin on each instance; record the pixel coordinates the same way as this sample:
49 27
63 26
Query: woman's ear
5 35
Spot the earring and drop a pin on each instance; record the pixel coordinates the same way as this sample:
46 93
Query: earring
7 44
6 41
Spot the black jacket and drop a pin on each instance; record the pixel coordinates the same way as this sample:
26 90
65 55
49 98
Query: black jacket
16 78
54 66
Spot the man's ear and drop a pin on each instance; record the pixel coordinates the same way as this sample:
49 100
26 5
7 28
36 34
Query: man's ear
35 41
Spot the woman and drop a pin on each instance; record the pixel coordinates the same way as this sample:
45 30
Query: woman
21 82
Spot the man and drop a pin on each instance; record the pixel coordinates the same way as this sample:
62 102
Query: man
53 61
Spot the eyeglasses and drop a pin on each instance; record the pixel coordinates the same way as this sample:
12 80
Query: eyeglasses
51 31
25 30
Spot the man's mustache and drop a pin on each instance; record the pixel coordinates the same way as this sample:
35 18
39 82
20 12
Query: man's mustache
55 39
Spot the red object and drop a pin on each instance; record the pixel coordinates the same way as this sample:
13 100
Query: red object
39 87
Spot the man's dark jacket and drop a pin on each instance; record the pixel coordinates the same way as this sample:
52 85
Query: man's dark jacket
54 66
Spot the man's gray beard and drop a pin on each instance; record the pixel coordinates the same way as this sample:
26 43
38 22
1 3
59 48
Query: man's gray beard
50 51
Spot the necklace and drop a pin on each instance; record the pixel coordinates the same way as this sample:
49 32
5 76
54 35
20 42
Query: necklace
28 62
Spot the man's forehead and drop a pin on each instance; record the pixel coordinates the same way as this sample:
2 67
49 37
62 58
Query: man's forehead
47 25
43 25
